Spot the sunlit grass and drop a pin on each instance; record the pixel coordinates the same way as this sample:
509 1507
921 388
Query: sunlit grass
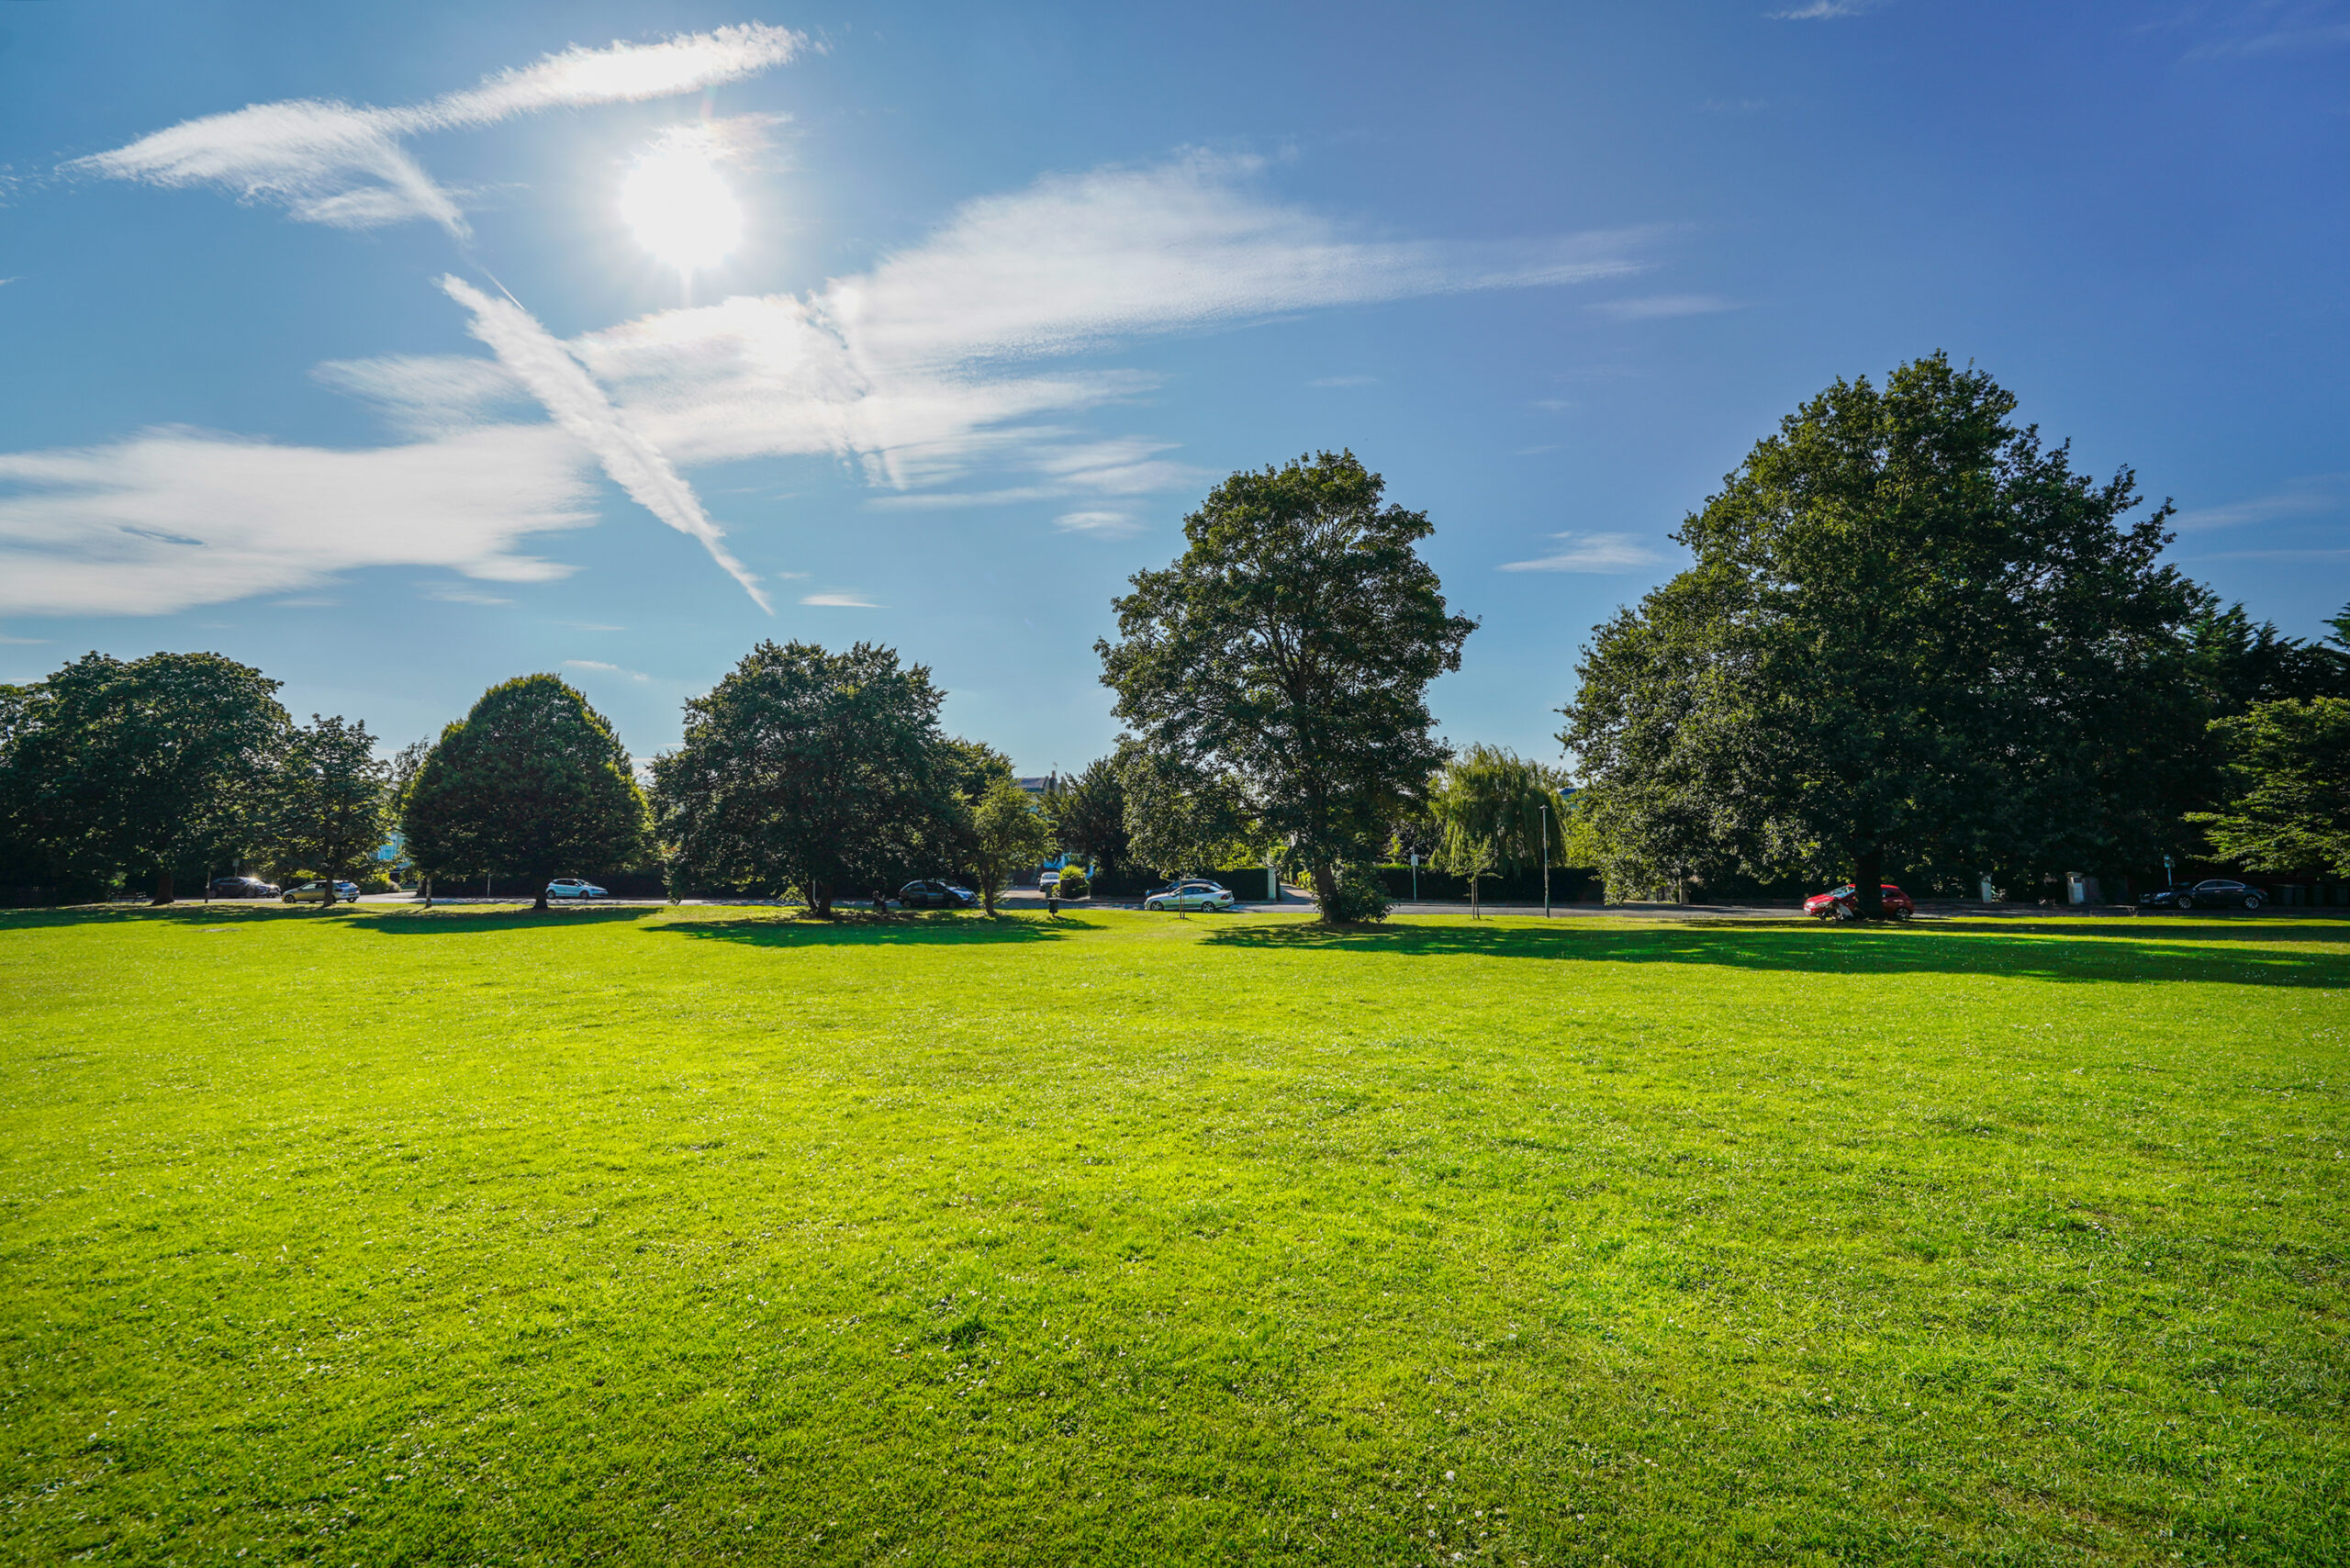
401 1237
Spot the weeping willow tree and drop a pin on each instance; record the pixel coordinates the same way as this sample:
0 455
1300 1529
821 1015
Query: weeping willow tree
1496 811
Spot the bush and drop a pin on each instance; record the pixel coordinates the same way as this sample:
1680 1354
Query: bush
374 882
1073 882
1360 898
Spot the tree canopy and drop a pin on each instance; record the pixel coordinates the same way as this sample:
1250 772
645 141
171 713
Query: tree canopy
2289 763
817 771
1909 630
1496 811
532 783
1089 815
145 766
1007 832
1291 646
330 808
1181 820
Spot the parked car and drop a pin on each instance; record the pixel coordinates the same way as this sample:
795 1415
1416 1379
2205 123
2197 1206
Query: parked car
1048 881
2212 892
242 888
1844 902
574 887
934 895
1188 895
316 893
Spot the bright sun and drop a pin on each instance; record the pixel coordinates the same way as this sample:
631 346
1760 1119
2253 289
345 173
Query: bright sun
680 209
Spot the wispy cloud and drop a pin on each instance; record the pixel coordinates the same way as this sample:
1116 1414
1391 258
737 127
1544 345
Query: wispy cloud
343 165
539 363
2317 495
1658 307
1824 10
601 667
1594 552
2267 27
22 642
457 593
1100 524
839 599
174 517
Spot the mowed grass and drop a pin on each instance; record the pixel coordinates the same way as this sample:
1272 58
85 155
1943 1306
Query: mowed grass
703 1235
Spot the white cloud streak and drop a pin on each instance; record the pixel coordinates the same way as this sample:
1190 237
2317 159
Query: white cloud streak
1824 10
839 600
170 519
2319 495
1100 524
536 360
1594 552
343 164
1663 307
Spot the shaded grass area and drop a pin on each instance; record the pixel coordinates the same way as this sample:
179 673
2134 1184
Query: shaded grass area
642 1235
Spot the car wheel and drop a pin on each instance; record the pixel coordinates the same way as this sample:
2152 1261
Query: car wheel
1900 914
2251 900
2185 900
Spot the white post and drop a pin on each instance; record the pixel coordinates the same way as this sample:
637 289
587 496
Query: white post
1546 859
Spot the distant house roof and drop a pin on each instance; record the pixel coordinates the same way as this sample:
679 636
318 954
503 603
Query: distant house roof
1043 784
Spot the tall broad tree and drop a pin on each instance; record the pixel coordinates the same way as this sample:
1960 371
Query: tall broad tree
814 770
1496 811
1008 832
531 784
1291 646
1910 632
1089 816
333 804
147 766
2289 805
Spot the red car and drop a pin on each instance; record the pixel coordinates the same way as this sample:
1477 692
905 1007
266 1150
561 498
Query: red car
1844 902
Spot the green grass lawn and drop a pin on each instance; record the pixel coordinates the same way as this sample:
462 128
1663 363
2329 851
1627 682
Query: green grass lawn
696 1235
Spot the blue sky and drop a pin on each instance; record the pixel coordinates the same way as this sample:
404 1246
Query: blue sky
341 340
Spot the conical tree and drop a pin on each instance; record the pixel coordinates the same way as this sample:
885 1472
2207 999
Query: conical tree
531 784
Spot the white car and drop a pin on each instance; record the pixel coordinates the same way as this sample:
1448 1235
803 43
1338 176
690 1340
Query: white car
1190 895
1048 881
573 888
316 893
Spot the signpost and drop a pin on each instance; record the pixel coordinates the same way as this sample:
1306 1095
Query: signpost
1416 876
1546 859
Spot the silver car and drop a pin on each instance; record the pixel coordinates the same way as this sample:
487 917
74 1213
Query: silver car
1190 895
316 893
575 888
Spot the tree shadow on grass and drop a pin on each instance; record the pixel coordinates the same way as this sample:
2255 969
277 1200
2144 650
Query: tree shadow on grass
2055 953
859 930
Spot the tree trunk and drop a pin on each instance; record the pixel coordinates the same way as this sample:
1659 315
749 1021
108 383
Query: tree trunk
427 883
163 884
1325 891
1868 881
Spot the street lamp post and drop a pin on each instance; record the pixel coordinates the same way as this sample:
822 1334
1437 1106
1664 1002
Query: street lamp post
1416 876
1546 859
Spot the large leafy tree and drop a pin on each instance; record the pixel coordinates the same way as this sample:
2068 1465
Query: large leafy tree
146 766
1496 811
2289 763
1089 815
1910 630
532 783
1181 820
1291 646
1008 832
333 805
814 770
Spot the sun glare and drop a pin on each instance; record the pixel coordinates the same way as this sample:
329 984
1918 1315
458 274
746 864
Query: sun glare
680 208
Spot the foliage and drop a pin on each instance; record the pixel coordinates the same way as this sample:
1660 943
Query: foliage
1181 821
331 800
1496 811
1118 1240
1075 883
1291 647
144 766
2290 765
2239 663
1089 815
531 784
1362 896
819 771
1910 631
1007 832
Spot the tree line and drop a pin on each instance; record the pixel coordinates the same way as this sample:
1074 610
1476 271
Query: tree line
1910 635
